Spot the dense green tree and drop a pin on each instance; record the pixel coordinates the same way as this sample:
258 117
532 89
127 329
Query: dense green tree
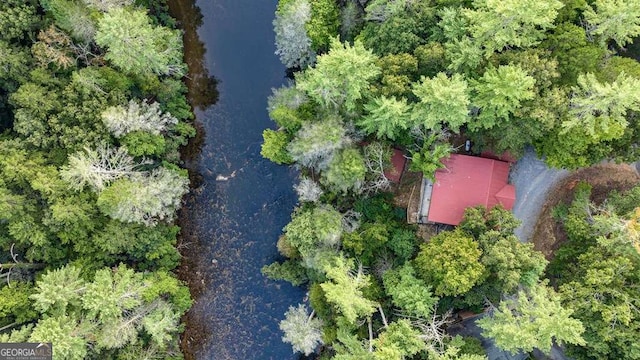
323 24
135 45
398 341
18 19
345 172
314 227
499 93
450 261
617 20
496 25
532 320
386 117
410 294
443 100
341 77
598 110
274 146
344 290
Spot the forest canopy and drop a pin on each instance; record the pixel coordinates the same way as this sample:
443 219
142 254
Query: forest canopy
92 114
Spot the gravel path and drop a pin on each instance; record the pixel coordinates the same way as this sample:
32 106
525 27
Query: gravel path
533 180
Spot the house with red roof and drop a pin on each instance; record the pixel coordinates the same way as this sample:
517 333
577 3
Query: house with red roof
465 181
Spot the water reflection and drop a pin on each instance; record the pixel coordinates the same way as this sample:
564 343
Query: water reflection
203 90
240 202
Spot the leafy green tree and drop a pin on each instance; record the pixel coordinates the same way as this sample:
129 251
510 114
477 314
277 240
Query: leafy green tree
144 199
450 261
67 333
312 228
598 110
315 143
398 72
576 55
398 341
345 172
409 293
301 330
429 158
511 23
443 100
341 77
73 17
343 290
617 20
293 44
386 117
136 46
323 24
532 320
18 19
274 146
59 290
15 305
499 93
401 27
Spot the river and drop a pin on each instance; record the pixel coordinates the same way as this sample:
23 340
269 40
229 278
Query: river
240 201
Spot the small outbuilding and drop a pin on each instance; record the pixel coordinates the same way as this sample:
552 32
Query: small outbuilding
465 181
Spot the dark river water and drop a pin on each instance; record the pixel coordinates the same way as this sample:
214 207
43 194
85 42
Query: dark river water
240 202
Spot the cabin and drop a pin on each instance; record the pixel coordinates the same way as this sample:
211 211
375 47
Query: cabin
465 181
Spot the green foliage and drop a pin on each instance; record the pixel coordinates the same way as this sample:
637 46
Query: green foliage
323 24
450 262
18 19
532 320
399 340
140 143
443 100
406 27
386 117
429 158
616 20
314 227
345 172
274 146
290 270
496 25
499 93
15 305
136 46
398 71
598 110
411 295
341 77
594 270
344 290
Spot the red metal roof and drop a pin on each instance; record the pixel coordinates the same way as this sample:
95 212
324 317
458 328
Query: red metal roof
469 181
398 162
